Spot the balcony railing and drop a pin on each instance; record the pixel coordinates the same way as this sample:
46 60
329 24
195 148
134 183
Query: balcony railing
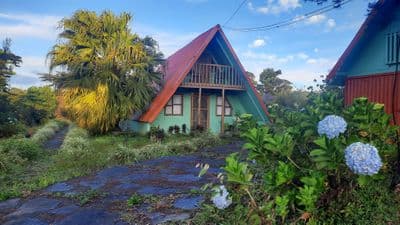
213 76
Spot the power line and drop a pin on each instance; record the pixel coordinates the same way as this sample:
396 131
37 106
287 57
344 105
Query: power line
234 13
290 21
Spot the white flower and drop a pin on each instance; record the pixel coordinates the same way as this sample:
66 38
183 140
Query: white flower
221 199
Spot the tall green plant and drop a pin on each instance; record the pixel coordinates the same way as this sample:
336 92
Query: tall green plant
108 71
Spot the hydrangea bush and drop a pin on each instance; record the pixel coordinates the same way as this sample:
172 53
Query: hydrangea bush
305 161
363 159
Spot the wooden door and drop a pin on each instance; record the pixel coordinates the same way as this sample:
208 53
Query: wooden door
202 122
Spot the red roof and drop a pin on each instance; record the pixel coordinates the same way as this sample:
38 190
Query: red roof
180 63
355 40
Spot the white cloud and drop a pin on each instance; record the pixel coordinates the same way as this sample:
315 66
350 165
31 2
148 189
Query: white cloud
292 66
316 50
257 43
27 74
322 62
302 55
331 23
315 19
286 5
250 6
267 58
303 76
263 10
168 41
275 6
28 25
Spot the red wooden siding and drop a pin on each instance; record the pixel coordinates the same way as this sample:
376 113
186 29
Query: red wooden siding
377 88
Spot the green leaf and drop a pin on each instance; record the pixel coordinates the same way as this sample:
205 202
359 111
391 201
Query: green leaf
321 142
317 152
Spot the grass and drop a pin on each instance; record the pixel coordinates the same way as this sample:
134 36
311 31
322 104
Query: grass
48 130
135 199
87 197
81 154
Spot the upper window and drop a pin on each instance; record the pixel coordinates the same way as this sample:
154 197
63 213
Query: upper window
391 47
174 106
228 107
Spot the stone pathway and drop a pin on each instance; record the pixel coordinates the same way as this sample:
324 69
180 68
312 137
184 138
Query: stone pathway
57 140
159 191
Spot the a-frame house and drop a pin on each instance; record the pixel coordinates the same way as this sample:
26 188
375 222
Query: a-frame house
196 80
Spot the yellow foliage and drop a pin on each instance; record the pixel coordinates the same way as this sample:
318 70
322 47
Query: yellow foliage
89 108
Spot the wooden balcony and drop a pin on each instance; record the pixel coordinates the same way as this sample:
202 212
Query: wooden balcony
213 76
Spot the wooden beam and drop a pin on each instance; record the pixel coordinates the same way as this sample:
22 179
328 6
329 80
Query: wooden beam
223 112
198 108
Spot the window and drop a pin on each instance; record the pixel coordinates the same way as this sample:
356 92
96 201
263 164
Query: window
228 107
391 47
174 106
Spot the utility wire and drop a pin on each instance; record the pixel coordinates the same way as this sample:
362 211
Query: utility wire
235 12
291 20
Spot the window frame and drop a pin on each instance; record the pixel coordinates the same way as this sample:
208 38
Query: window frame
171 104
229 107
391 47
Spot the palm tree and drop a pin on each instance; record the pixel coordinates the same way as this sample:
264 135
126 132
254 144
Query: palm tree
104 72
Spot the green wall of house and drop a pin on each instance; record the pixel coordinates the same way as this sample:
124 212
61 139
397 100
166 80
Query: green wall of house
164 121
371 58
236 99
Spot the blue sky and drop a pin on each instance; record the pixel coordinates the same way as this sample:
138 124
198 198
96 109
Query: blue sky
302 51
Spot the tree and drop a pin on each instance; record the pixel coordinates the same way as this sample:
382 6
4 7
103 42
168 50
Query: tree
273 84
8 61
35 105
252 77
107 72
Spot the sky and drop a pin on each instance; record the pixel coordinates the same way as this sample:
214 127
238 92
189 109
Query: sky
303 51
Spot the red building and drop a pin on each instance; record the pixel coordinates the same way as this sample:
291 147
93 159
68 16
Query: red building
369 65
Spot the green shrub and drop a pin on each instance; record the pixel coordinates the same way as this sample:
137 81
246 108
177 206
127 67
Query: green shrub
48 131
184 129
205 139
157 134
9 160
9 129
75 131
300 172
24 148
375 203
124 154
177 129
77 153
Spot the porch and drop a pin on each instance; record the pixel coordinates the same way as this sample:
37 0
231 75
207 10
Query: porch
213 76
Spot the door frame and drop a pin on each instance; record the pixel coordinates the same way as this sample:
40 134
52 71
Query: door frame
208 109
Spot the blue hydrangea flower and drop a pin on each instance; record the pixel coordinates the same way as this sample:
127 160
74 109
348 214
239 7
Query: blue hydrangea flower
221 198
332 126
363 159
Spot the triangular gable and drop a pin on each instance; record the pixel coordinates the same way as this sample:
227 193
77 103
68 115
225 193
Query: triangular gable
178 66
382 8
